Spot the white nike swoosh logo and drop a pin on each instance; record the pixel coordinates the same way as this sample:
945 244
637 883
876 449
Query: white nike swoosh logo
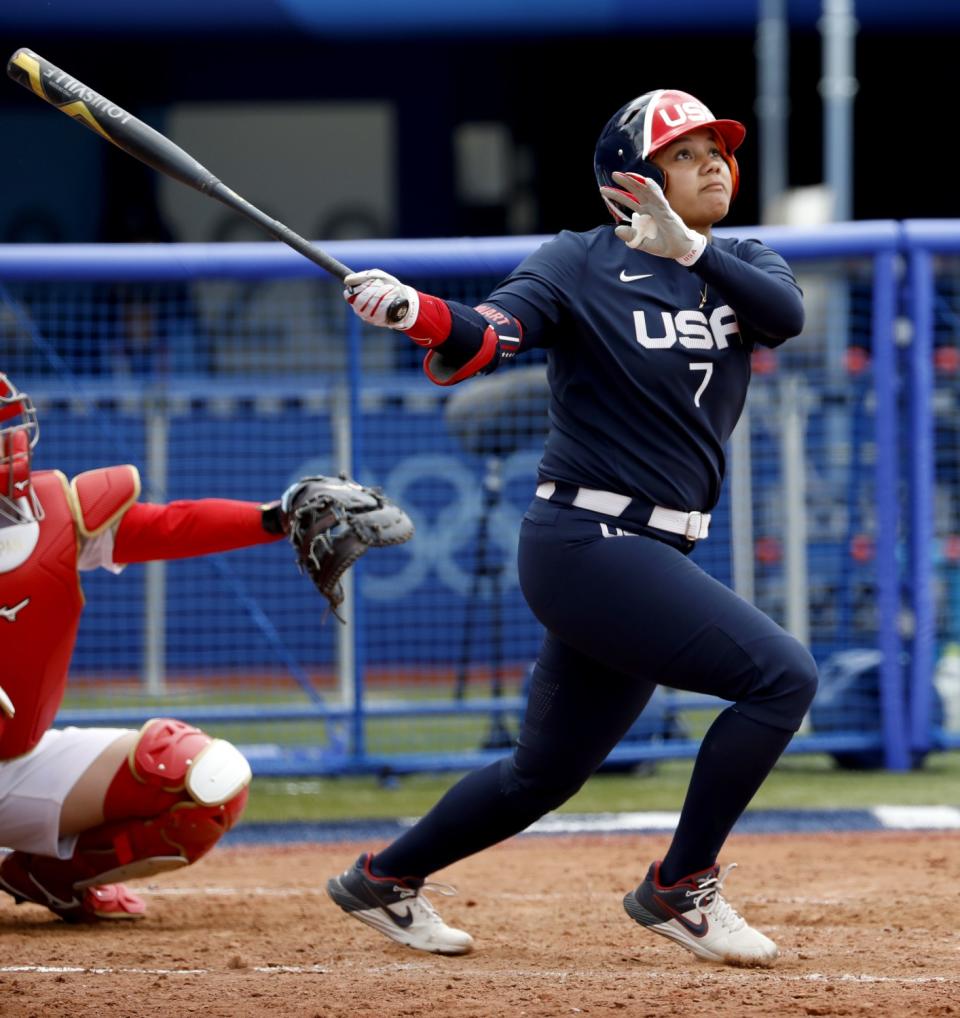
624 278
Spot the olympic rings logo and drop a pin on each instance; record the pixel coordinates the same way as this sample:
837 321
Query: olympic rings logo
447 529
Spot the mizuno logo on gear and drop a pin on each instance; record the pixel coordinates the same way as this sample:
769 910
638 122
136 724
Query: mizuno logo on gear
10 614
624 278
699 929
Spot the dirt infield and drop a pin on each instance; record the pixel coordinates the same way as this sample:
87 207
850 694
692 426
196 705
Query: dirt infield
866 923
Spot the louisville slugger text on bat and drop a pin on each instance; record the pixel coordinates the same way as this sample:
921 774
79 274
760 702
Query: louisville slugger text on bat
116 125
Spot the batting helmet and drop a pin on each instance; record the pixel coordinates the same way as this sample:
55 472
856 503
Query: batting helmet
651 122
19 431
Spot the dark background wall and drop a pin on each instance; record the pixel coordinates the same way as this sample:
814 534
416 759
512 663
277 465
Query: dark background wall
553 93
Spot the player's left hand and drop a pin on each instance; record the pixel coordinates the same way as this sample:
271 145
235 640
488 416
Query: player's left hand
654 227
372 293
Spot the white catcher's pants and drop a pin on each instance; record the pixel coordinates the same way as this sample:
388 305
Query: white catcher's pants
34 787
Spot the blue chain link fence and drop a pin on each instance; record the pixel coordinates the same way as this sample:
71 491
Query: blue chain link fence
231 370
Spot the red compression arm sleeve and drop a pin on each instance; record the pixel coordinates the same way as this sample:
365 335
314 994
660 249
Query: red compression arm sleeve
432 327
185 529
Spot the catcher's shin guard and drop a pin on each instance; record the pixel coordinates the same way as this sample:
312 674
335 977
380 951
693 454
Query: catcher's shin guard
177 793
173 762
136 847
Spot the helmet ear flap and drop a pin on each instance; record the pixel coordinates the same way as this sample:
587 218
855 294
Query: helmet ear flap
648 169
641 167
620 148
616 153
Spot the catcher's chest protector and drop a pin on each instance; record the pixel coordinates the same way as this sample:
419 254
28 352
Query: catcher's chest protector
40 605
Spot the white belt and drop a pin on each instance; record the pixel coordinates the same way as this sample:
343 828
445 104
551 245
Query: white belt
694 526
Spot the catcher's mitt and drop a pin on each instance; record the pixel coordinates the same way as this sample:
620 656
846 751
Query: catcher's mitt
331 521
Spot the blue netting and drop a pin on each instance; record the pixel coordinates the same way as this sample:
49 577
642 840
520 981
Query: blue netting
230 372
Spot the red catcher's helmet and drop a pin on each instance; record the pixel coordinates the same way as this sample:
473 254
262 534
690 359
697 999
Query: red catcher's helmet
651 122
19 432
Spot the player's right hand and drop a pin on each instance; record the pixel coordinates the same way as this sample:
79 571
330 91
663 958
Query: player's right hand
373 292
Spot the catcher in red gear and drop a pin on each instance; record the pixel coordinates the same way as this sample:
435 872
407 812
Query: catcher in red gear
85 809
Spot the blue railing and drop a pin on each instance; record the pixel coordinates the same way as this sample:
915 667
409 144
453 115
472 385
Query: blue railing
290 383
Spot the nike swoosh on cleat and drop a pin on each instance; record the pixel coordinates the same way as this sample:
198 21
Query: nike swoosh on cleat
699 929
624 278
403 921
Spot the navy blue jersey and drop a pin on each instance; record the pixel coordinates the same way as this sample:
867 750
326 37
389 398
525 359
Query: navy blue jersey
648 361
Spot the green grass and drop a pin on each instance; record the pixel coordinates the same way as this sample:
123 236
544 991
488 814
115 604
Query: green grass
801 782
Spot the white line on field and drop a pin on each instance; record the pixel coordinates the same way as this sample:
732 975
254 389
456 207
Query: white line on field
726 975
305 892
232 892
66 970
762 899
302 892
851 977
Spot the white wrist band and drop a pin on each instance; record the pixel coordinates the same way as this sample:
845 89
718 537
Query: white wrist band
691 257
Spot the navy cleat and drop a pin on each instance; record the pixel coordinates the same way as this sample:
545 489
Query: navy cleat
695 914
397 908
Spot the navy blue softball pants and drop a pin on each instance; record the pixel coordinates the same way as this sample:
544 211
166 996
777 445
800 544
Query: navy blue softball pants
624 611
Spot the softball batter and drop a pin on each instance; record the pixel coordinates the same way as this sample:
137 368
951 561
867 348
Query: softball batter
649 323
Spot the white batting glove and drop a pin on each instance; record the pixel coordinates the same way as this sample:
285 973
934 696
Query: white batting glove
377 298
654 227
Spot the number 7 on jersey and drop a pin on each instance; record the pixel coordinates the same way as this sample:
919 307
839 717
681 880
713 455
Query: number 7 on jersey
707 368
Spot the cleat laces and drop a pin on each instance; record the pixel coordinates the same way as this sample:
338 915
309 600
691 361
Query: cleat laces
430 913
712 903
